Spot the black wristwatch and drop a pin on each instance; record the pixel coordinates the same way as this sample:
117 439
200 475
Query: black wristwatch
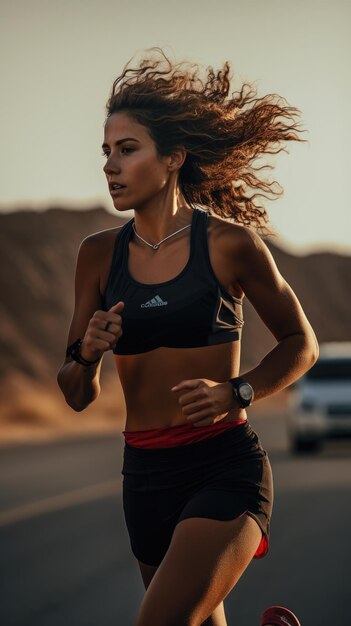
74 352
242 391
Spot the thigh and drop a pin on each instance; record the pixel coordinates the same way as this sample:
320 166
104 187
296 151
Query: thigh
205 559
147 573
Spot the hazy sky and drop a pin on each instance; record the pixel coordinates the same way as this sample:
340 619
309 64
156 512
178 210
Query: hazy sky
60 57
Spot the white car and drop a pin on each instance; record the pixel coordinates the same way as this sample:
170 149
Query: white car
320 401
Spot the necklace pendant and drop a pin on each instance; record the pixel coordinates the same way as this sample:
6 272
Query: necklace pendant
155 246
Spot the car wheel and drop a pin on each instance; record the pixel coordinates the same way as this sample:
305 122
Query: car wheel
300 445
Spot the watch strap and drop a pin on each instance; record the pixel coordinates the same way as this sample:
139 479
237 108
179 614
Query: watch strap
74 352
237 380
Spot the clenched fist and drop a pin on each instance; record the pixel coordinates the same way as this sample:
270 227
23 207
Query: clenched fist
104 330
204 402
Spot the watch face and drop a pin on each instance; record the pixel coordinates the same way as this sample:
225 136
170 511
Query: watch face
245 391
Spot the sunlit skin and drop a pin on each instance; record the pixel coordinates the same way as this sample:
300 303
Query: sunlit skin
136 164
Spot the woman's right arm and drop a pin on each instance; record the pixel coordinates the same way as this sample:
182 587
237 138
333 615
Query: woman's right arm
80 384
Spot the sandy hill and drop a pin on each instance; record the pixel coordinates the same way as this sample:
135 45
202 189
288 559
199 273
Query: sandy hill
37 259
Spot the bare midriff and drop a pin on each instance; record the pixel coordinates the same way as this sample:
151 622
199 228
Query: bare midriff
147 380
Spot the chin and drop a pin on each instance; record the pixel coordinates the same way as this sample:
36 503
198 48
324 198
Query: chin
122 208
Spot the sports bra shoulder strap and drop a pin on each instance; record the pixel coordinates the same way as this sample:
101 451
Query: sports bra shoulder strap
200 241
122 238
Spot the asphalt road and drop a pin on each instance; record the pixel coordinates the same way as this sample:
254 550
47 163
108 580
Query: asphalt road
65 557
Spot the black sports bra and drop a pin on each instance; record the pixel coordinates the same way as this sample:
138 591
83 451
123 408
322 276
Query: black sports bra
189 311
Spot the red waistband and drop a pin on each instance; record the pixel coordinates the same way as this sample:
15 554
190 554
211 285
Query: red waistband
181 435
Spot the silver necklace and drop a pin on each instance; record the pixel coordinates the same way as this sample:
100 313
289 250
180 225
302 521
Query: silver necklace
155 246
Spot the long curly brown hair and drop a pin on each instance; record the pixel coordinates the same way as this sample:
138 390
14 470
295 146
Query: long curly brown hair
225 135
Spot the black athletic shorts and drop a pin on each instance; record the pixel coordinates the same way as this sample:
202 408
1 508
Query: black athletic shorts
221 477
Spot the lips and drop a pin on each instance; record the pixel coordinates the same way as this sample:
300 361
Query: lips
114 186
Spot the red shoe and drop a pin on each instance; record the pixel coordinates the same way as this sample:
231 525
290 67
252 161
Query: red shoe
279 616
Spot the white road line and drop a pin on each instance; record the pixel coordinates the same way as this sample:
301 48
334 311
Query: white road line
62 501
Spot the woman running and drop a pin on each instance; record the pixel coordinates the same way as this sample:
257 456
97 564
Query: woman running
164 292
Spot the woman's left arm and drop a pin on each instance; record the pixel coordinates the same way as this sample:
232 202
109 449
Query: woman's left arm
278 307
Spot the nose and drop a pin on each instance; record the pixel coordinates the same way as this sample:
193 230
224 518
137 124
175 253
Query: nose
111 167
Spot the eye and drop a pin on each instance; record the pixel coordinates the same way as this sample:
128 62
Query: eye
127 150
105 154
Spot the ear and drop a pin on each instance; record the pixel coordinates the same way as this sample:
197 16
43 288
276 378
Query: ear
176 159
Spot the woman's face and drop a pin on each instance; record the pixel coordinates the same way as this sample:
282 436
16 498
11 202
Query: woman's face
133 163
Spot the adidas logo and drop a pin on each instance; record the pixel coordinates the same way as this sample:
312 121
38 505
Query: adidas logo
156 301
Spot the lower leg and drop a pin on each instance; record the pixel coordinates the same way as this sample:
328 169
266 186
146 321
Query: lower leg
217 618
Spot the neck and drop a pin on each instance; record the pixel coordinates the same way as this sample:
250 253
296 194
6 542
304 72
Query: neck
160 219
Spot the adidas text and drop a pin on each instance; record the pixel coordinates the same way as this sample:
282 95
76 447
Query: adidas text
156 301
